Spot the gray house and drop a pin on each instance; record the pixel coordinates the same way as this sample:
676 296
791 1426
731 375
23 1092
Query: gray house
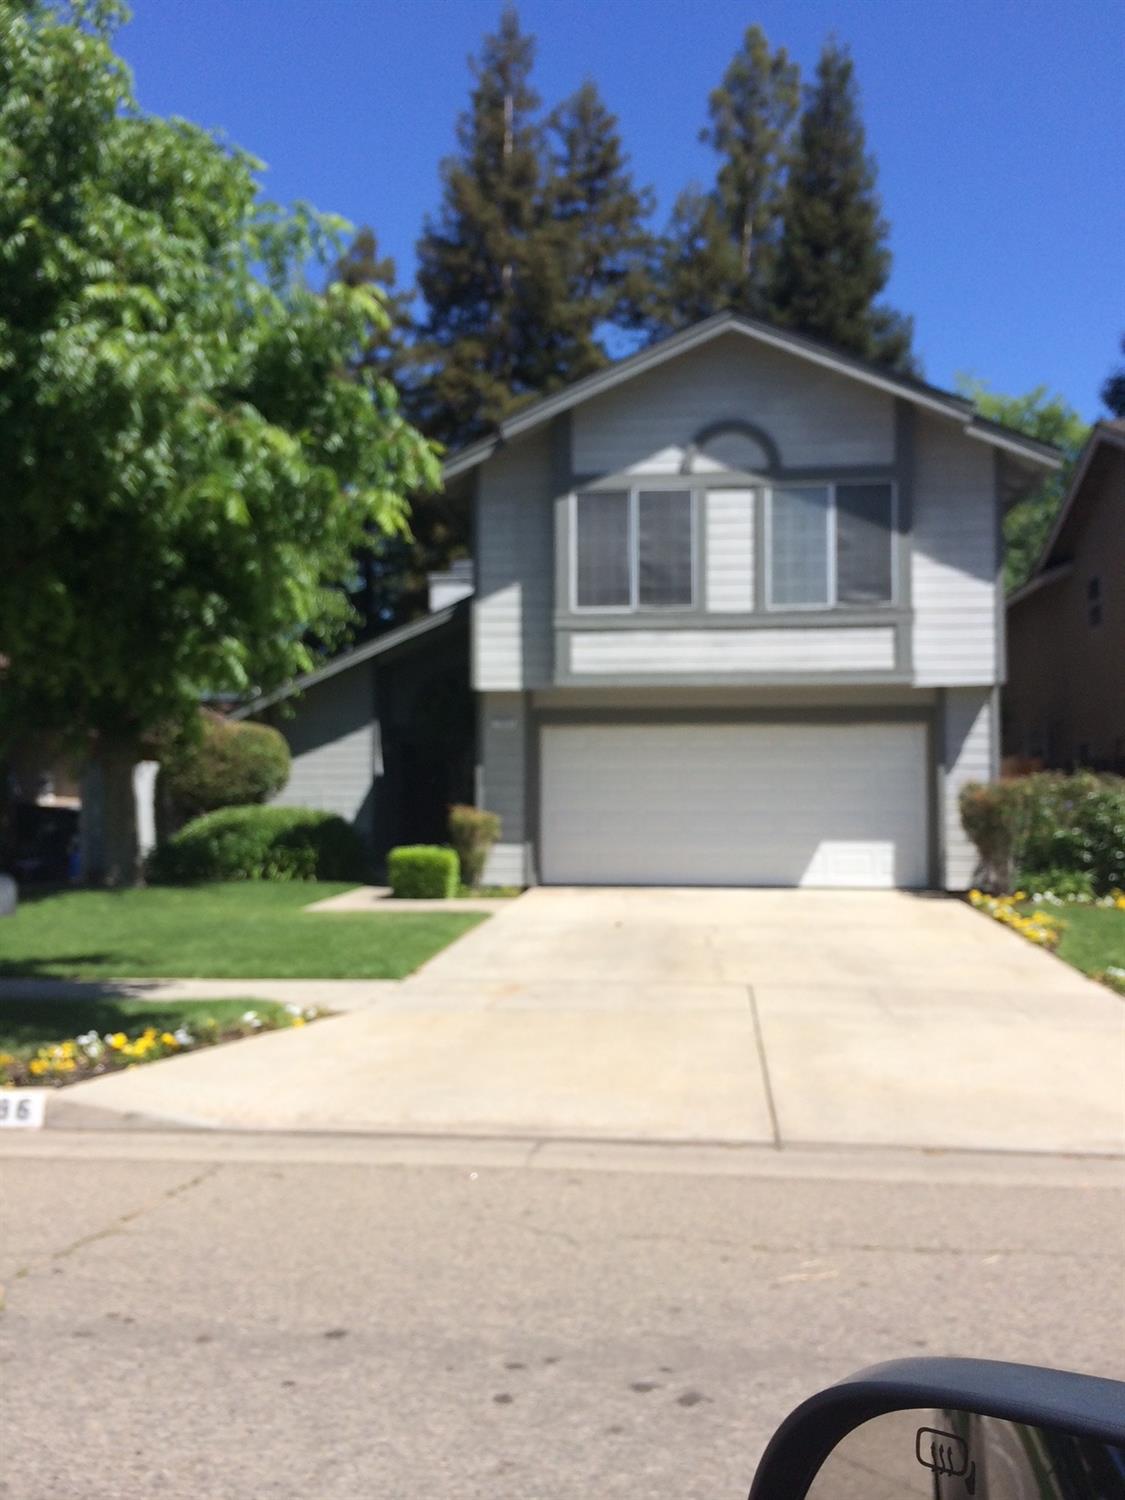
736 618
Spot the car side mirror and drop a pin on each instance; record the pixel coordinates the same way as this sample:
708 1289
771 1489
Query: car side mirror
951 1429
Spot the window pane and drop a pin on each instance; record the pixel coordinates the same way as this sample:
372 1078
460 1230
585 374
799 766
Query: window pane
863 543
664 549
799 545
603 550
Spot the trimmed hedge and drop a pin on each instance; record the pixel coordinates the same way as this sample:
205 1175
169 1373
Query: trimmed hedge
472 832
1048 823
260 843
420 872
226 764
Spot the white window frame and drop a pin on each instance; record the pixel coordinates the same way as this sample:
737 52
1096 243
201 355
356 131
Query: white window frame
832 602
635 607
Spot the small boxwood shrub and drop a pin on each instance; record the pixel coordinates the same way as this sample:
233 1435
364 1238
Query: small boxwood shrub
419 872
223 764
1067 885
472 832
1049 822
260 843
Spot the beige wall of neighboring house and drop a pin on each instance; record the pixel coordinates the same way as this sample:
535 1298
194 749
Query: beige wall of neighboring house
1064 702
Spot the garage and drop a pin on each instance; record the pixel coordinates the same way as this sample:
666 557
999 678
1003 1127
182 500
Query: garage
773 804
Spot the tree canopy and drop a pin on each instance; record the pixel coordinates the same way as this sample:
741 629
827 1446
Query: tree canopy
1051 419
188 456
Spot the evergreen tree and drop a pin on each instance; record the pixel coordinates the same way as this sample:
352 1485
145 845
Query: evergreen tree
476 259
1113 391
833 261
596 266
361 265
697 266
752 112
721 243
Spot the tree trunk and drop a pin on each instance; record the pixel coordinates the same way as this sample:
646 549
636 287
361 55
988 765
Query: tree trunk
109 825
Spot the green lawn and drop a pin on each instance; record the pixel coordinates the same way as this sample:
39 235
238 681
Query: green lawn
28 1024
251 930
1093 939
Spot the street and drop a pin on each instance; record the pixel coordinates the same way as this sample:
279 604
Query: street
208 1315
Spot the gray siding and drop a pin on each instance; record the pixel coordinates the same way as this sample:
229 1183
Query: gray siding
861 648
729 550
970 754
334 740
954 566
503 783
512 647
813 415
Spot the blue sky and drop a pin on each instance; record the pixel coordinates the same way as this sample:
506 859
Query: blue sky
998 127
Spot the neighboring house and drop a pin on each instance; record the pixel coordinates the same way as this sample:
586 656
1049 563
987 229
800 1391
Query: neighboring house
737 620
1064 704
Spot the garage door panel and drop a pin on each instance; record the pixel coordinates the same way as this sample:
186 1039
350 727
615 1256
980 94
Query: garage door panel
727 804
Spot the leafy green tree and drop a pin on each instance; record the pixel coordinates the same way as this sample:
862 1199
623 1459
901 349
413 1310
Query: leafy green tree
833 260
1051 419
1113 391
386 351
187 467
477 258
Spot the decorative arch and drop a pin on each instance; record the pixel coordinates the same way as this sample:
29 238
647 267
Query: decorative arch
760 453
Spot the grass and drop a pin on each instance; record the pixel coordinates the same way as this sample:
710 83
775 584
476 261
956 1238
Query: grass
28 1024
249 930
1093 938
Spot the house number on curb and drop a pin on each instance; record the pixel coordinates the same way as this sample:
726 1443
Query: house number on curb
22 1109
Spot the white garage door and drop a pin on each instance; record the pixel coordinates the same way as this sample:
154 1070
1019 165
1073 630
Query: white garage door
734 804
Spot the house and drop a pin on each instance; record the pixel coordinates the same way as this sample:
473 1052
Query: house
1064 704
737 619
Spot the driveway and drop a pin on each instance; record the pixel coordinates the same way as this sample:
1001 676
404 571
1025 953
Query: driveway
793 1018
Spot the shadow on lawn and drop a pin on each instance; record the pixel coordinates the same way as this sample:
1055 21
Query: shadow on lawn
28 1022
39 975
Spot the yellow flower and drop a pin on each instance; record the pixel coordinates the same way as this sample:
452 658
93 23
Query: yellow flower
117 1040
37 1066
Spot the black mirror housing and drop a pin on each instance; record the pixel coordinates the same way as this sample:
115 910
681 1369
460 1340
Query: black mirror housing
1080 1407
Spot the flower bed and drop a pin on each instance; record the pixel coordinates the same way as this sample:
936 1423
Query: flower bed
55 1064
1037 927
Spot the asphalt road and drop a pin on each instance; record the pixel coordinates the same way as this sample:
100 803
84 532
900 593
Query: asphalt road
233 1317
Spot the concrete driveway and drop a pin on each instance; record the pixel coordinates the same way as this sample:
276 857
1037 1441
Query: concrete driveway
775 1017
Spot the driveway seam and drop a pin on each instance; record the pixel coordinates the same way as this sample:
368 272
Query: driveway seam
763 1064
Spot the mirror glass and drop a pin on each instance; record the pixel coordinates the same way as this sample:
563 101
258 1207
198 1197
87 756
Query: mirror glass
957 1455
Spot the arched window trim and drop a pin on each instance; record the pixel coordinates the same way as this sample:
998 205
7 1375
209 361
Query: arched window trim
722 429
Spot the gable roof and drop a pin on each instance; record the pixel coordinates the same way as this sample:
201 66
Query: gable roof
382 644
1048 568
945 403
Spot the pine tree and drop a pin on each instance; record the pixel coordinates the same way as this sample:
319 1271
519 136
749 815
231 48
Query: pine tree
385 352
598 252
752 113
721 243
833 261
476 259
1113 391
697 268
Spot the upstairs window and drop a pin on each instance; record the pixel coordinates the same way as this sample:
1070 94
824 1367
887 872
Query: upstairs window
634 549
830 544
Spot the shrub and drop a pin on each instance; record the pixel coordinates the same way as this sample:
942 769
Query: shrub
224 765
1066 885
1049 822
472 832
260 843
422 871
